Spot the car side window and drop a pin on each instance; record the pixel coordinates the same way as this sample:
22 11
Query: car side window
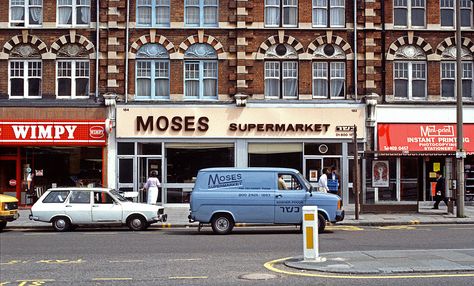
80 197
288 182
56 197
102 198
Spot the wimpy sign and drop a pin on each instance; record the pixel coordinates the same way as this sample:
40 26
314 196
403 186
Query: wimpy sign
53 133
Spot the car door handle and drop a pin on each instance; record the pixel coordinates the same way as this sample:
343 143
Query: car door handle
95 206
278 196
68 206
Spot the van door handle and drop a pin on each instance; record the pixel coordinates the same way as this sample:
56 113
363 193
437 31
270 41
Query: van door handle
68 206
278 196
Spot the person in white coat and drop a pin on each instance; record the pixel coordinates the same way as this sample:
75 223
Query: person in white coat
323 181
151 186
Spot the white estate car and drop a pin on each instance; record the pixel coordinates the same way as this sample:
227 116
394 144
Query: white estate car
66 208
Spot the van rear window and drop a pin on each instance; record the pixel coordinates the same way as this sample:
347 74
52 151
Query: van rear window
56 197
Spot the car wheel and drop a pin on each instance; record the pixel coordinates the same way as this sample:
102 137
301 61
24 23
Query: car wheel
136 223
3 224
61 224
222 224
321 223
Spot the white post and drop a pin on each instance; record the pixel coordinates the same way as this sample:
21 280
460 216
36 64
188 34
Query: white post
310 234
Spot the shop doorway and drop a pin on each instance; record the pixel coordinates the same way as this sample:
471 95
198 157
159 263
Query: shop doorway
313 168
432 165
147 165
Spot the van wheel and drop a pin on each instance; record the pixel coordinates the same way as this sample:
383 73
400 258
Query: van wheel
61 224
222 224
321 223
3 224
136 223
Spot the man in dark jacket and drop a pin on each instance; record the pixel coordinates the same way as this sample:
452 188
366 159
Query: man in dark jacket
440 190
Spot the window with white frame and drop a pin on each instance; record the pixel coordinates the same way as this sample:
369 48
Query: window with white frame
329 79
73 12
152 72
200 72
153 13
410 80
448 73
201 13
409 13
25 78
448 13
281 72
72 78
281 13
26 13
329 13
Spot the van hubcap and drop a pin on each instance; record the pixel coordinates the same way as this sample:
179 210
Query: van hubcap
222 224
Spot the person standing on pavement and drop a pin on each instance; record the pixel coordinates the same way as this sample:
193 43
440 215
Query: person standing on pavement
333 181
323 181
440 190
151 187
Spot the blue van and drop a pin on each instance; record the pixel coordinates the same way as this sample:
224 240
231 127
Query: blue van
226 196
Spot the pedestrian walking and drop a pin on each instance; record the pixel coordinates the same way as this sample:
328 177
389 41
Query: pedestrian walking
440 190
151 187
323 181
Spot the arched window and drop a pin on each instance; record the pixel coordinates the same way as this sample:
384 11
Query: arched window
329 72
25 72
448 73
72 72
281 72
152 72
409 73
200 72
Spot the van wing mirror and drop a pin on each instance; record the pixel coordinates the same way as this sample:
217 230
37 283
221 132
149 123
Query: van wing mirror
311 191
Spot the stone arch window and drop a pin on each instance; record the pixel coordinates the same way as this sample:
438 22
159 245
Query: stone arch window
72 72
329 72
281 72
152 72
448 73
409 73
25 72
200 72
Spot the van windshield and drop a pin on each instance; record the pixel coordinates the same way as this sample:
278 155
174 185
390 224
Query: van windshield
305 182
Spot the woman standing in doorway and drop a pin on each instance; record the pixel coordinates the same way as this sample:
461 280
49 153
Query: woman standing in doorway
151 186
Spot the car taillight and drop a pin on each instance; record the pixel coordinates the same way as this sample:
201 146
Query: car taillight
339 204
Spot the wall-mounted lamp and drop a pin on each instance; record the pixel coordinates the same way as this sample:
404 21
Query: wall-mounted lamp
241 99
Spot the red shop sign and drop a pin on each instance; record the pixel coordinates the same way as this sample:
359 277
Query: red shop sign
65 133
437 137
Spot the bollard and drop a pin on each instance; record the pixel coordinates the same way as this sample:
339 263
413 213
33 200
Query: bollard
310 234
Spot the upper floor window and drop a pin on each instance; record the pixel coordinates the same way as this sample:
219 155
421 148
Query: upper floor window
281 72
448 74
152 72
200 72
25 72
329 72
73 72
409 73
409 13
73 12
151 13
329 13
201 13
448 13
281 13
26 13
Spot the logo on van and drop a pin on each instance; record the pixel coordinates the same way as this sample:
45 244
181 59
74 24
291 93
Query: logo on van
223 181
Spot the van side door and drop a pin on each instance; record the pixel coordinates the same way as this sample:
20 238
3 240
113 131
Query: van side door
289 199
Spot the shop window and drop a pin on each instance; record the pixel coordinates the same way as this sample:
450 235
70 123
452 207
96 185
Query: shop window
153 13
322 148
125 148
281 72
200 72
149 148
276 155
409 173
26 13
125 171
73 12
409 13
201 13
329 13
388 193
185 160
281 13
152 72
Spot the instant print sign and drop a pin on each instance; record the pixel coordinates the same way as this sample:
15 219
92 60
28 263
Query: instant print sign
380 175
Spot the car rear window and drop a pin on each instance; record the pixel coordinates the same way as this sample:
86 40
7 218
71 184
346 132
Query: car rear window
56 197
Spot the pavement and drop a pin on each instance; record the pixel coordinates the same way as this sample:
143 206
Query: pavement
378 263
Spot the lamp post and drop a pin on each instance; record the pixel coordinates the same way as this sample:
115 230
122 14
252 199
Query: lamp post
460 153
